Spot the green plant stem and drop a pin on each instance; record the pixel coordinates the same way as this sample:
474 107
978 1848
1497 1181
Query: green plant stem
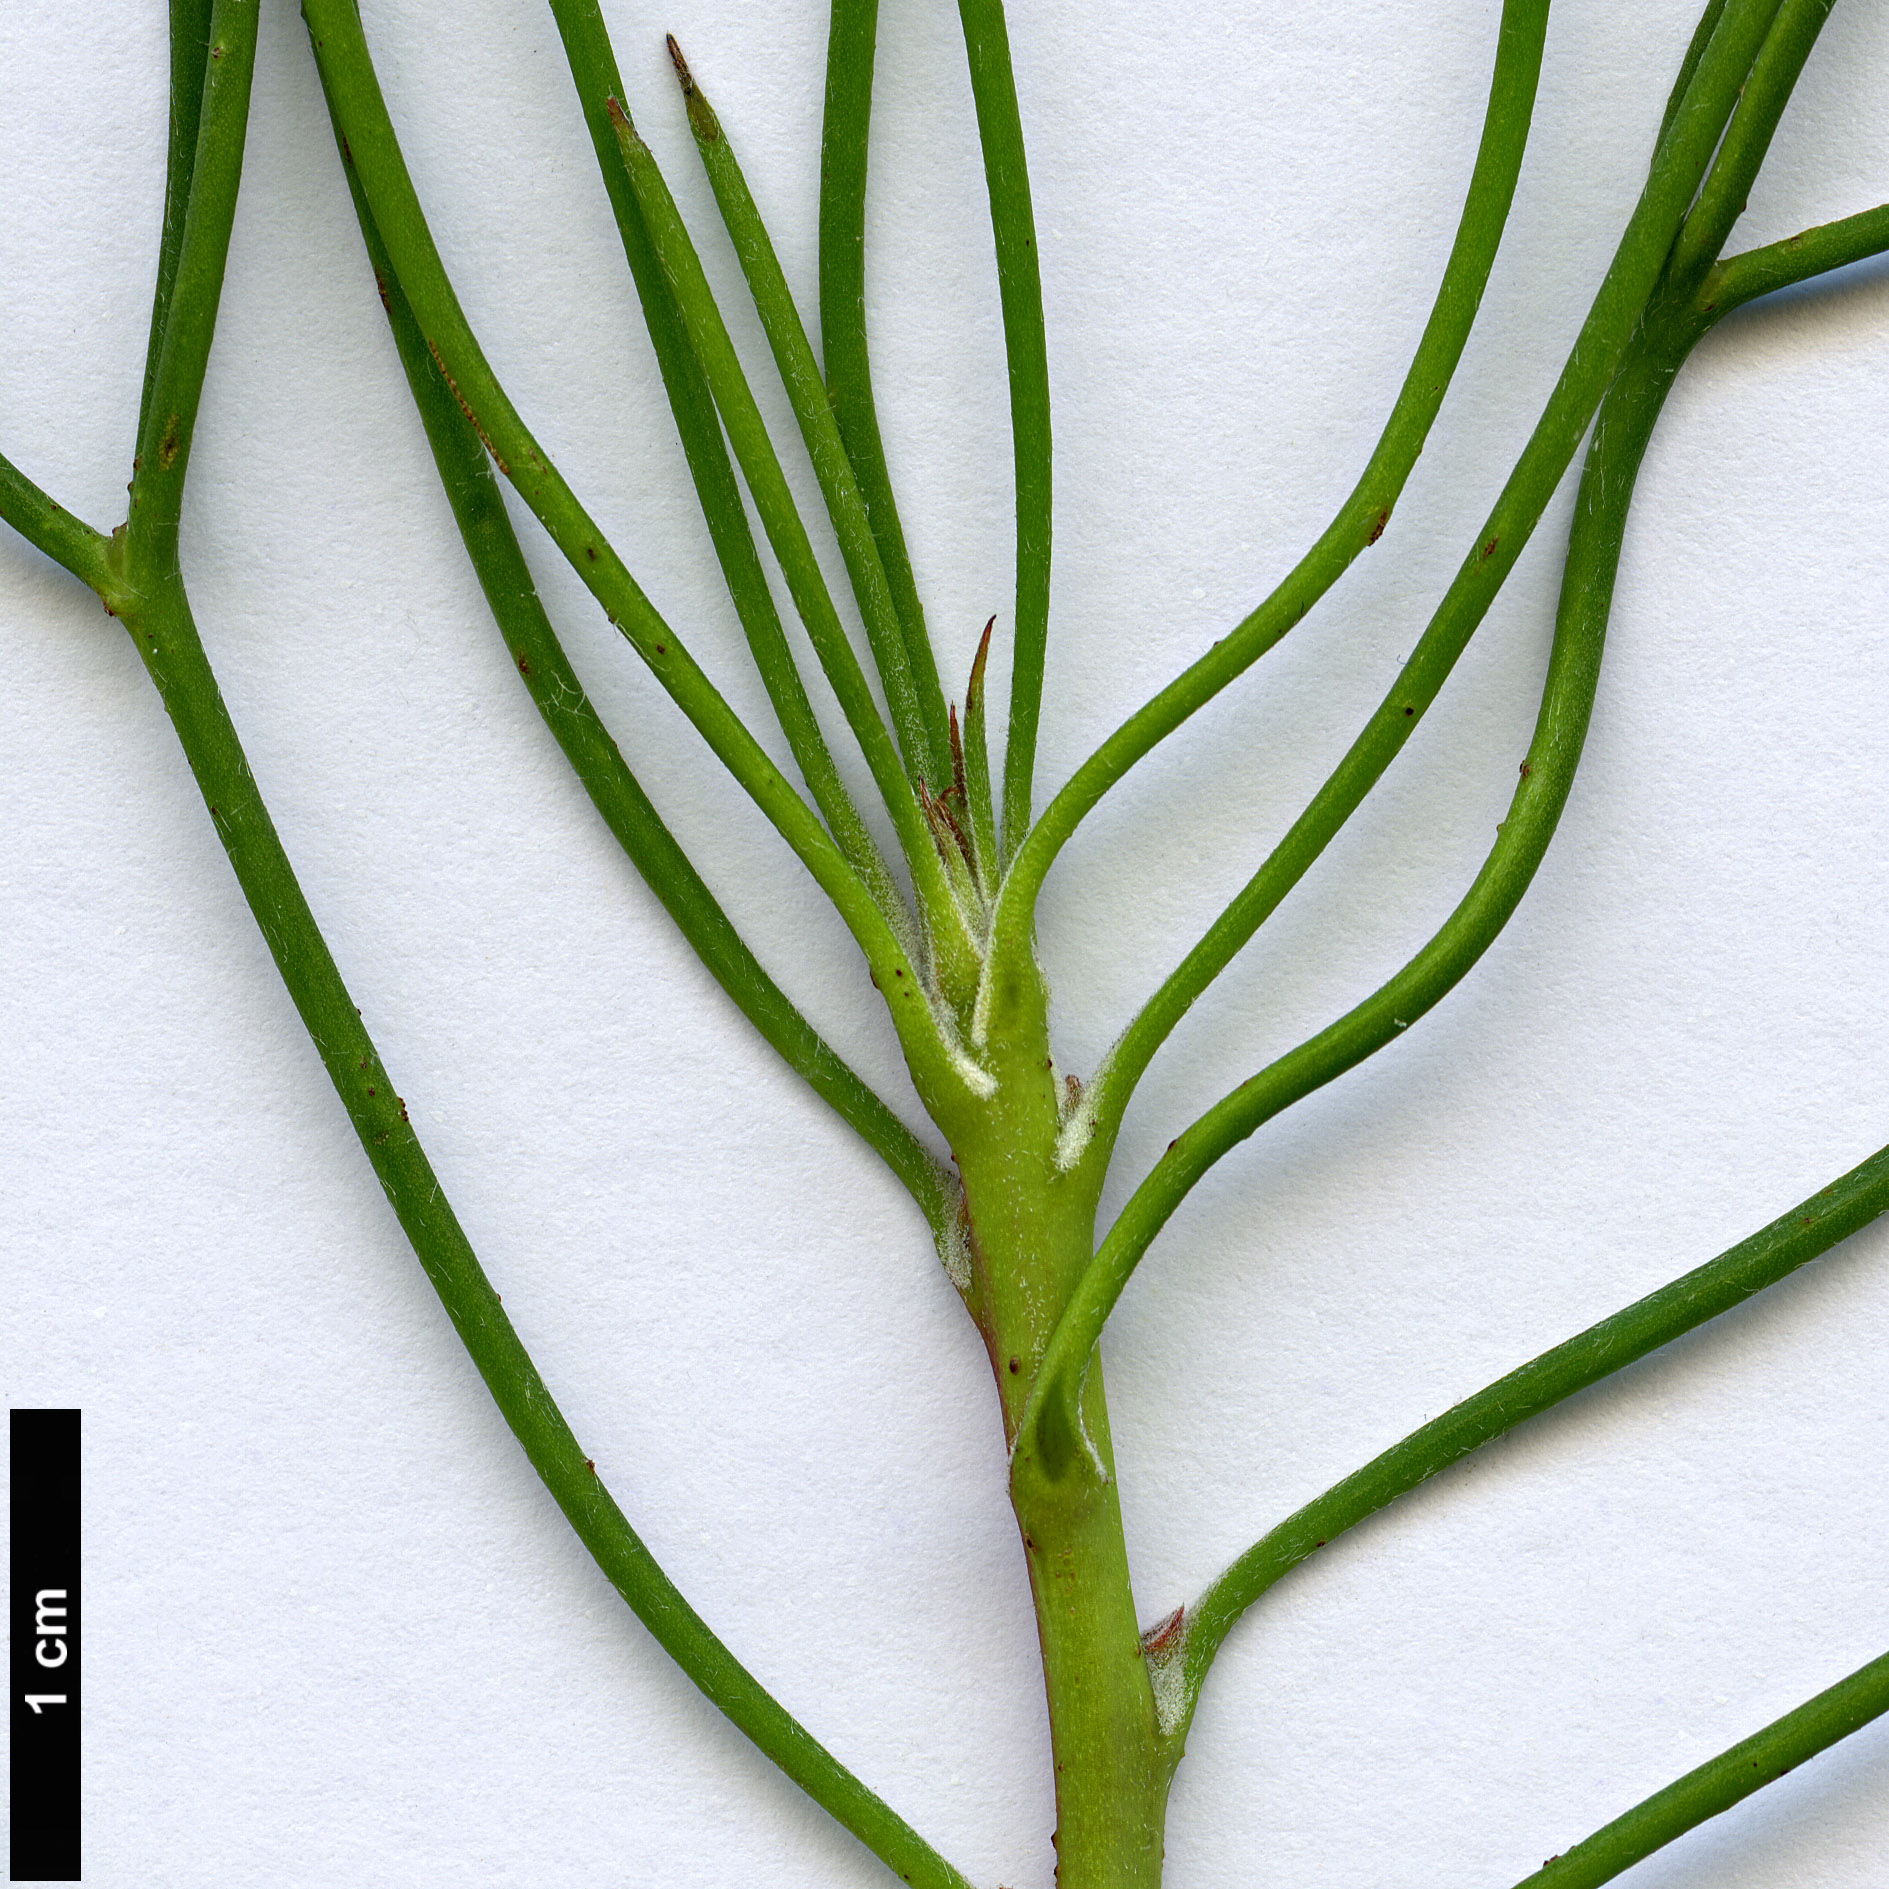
190 34
1728 1779
1365 513
1020 291
166 638
478 506
1617 311
1743 278
190 280
1620 437
954 954
43 522
1031 1229
1793 1239
1111 1783
594 73
927 745
843 143
945 1083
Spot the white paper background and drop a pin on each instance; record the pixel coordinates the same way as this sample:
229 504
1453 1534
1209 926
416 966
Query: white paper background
337 1632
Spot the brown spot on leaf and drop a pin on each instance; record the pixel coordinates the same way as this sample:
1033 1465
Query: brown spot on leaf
465 406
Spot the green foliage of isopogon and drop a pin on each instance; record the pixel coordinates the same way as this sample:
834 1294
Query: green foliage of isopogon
945 920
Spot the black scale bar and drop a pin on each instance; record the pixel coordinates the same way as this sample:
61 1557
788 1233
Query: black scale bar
44 1622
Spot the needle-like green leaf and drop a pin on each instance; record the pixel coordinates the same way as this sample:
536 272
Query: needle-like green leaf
907 668
1617 311
190 279
157 615
1361 520
479 510
1726 1780
1020 291
1793 1239
1695 51
1743 278
41 520
168 641
947 930
190 35
360 114
594 73
843 146
1627 417
1015 1222
1754 121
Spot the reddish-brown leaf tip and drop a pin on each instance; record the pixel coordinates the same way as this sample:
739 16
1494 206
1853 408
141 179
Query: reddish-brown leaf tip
681 65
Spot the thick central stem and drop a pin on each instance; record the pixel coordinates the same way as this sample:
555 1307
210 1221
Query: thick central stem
1111 1790
1032 1234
